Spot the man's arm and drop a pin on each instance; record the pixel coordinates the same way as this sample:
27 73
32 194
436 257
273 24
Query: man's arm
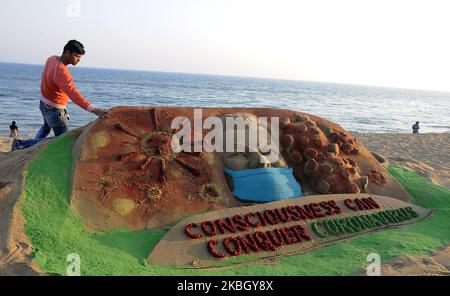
65 82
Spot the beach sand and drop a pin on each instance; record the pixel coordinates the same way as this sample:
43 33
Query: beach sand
5 144
427 154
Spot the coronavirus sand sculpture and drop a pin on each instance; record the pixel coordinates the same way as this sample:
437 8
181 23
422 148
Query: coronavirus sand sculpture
127 173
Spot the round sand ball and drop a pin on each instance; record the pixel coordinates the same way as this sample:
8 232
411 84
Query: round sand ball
310 153
285 122
334 137
330 155
325 169
349 148
318 143
334 148
346 148
301 118
353 188
315 130
310 124
343 136
337 162
325 128
287 141
303 140
320 157
301 127
352 162
345 174
323 187
352 171
363 182
296 157
311 167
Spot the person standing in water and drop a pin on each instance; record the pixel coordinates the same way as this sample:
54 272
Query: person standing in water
415 128
14 130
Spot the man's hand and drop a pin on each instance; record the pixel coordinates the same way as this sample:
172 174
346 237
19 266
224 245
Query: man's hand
102 113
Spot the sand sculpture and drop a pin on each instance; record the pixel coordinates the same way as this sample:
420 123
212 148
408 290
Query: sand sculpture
129 173
126 173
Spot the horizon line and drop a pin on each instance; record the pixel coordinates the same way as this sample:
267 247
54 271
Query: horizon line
239 76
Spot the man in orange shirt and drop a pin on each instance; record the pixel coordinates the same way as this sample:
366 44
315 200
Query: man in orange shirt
57 87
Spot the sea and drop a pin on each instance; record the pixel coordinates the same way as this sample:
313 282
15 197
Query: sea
356 108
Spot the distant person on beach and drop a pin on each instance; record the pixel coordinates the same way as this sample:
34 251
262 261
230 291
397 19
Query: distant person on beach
415 128
14 130
57 87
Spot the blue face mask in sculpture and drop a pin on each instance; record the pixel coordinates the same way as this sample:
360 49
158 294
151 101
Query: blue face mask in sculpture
264 184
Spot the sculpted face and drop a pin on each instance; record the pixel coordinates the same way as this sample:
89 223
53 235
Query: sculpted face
250 160
245 157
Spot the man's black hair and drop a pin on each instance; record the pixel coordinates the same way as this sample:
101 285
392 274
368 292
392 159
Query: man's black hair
74 47
13 123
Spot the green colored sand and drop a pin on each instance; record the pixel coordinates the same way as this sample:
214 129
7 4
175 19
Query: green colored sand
56 230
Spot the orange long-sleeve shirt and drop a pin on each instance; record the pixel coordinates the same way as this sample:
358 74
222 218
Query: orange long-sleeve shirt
57 86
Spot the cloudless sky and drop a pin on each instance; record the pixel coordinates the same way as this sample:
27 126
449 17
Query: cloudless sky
399 43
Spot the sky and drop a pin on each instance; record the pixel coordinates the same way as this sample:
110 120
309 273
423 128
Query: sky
392 43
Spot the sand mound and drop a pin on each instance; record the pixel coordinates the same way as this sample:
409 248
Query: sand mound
127 175
15 247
